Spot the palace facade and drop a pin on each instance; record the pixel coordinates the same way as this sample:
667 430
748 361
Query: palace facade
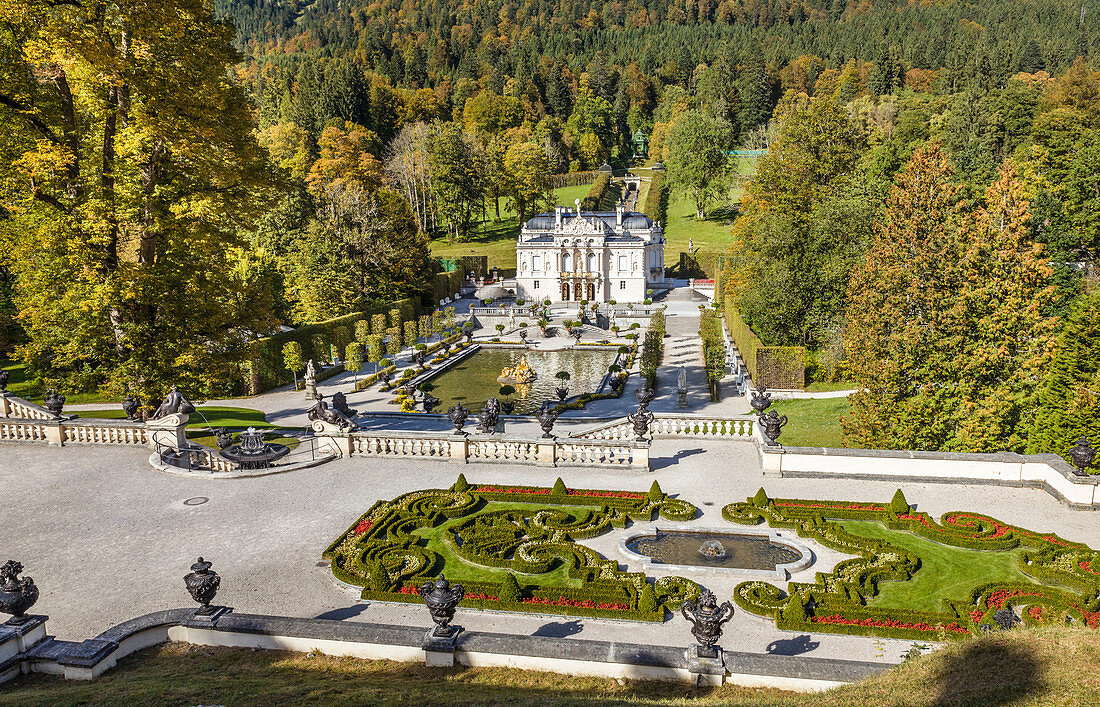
568 255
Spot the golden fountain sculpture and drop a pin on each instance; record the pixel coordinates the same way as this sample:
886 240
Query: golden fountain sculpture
521 373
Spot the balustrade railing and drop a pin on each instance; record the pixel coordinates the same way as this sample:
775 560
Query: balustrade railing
672 425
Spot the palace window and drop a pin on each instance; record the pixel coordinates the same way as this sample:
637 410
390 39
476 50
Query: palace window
622 263
536 262
622 284
536 284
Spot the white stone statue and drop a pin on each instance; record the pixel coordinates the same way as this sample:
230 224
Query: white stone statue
691 245
682 379
311 373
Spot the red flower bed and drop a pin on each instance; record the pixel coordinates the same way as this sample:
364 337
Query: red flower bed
976 615
1087 566
408 590
485 597
586 604
363 527
997 599
500 489
887 623
834 506
605 494
1035 612
923 519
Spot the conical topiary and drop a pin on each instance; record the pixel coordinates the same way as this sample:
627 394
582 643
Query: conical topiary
379 580
460 484
898 504
509 588
559 488
761 498
647 602
795 610
655 492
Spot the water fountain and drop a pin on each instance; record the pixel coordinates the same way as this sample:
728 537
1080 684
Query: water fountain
252 452
751 551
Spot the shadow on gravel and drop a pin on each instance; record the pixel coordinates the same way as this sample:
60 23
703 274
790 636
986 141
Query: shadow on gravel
343 613
559 629
665 462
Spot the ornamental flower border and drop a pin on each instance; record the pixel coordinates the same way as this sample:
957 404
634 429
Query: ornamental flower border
381 553
837 602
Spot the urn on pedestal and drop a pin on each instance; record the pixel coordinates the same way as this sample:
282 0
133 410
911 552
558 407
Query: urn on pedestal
644 396
458 415
761 400
706 619
16 595
771 424
442 598
547 416
203 583
1082 455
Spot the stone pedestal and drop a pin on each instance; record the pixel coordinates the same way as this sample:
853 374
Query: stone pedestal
18 636
707 669
176 424
311 391
682 401
439 651
547 452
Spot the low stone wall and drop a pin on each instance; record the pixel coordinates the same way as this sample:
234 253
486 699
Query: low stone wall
30 650
670 425
1046 471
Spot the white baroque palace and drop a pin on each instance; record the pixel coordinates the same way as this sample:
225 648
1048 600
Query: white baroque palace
569 255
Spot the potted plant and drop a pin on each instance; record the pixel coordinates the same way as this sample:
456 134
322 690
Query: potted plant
563 384
507 406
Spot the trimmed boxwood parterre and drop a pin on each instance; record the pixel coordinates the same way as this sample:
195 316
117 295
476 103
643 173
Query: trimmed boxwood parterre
528 531
837 602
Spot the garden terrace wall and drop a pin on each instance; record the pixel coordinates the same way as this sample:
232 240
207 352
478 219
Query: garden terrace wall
1046 471
88 659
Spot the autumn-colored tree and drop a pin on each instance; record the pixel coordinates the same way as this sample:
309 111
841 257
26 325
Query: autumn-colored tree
346 162
131 168
947 324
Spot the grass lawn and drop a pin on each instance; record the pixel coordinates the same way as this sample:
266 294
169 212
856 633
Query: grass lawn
819 387
811 422
457 568
945 572
498 240
1037 666
204 416
712 234
21 385
201 437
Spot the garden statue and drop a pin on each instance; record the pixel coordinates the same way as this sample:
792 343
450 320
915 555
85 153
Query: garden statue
644 396
174 403
458 415
547 416
131 406
641 421
320 411
523 336
772 423
54 402
489 417
442 598
4 376
202 583
16 595
761 399
1082 455
311 373
706 619
520 373
682 388
430 402
224 437
340 405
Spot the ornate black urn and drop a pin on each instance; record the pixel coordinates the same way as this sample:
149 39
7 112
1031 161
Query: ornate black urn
430 402
409 389
771 424
563 392
1082 455
16 595
203 583
644 396
489 417
4 376
419 357
641 420
547 416
706 619
54 402
224 437
131 406
577 334
442 598
761 400
458 415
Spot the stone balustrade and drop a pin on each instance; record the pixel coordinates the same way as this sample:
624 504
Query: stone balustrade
503 449
11 406
667 425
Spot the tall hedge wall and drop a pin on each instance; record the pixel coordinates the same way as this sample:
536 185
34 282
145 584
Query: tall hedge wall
266 363
656 199
597 192
769 366
446 284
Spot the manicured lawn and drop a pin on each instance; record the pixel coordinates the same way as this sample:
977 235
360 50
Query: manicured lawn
818 387
711 235
201 437
203 417
945 572
498 240
811 422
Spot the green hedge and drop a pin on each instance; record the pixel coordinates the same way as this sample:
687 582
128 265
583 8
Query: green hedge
838 602
446 284
266 359
382 553
782 367
597 192
656 199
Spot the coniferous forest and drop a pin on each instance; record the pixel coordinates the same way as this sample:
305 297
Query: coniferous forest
925 220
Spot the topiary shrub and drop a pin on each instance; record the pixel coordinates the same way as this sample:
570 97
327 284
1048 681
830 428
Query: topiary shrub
461 484
655 492
559 488
647 602
898 504
761 498
509 588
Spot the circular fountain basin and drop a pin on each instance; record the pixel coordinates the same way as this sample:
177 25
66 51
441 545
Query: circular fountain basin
756 552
